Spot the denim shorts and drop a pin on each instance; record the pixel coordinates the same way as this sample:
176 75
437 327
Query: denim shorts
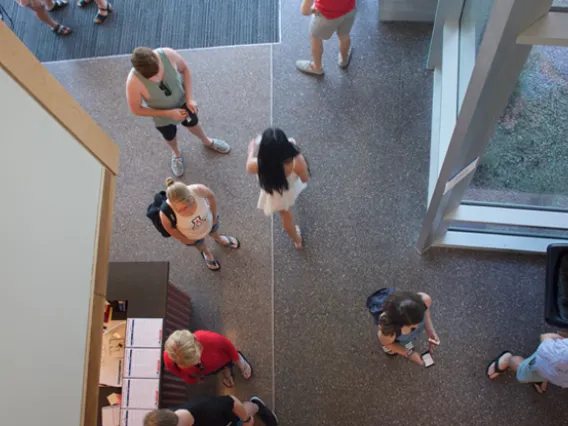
526 372
214 229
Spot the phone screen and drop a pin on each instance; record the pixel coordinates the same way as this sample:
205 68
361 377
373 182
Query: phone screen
427 358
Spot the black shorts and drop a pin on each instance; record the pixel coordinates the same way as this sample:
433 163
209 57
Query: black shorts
169 131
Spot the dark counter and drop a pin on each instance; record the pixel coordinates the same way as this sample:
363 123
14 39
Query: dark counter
143 284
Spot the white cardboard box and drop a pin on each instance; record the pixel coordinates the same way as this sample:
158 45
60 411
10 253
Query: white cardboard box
140 393
132 417
144 332
142 363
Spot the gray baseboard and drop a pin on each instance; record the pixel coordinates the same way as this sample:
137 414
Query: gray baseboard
407 10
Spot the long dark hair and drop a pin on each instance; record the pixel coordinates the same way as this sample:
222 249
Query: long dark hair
401 309
275 149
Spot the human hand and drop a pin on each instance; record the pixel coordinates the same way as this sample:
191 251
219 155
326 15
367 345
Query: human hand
192 106
433 336
416 358
178 114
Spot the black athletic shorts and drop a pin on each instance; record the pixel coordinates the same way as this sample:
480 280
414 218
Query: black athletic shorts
169 131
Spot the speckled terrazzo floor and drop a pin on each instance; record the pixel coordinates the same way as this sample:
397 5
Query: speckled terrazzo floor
300 317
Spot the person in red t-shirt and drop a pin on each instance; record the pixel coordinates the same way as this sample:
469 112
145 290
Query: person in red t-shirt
192 356
328 17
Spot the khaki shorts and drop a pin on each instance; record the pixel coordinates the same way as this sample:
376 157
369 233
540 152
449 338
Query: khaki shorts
323 28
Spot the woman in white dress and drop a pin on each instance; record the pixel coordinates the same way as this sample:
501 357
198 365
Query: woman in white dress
282 173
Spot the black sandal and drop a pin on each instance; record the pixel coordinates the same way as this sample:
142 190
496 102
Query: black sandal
57 5
213 265
538 388
84 3
99 19
495 362
61 30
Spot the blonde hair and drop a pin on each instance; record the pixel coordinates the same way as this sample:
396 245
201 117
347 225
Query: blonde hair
183 348
161 417
178 192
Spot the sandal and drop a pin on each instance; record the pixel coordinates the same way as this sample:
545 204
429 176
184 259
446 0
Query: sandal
495 364
539 387
99 19
84 3
213 265
58 5
61 30
233 242
249 364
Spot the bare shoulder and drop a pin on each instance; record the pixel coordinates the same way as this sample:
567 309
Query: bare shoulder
173 55
426 298
200 190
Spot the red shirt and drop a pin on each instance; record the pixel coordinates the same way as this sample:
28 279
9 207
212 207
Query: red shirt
218 351
333 9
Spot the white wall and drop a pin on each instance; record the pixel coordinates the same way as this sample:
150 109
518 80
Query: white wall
49 189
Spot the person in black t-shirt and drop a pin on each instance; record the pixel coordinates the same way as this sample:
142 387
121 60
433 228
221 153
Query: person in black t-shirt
213 411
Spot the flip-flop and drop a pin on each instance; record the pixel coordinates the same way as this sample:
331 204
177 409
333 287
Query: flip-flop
58 5
233 243
496 369
213 265
249 364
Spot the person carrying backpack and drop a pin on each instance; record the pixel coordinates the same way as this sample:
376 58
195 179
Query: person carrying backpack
189 213
400 317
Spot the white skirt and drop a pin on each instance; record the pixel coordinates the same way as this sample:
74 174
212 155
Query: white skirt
270 204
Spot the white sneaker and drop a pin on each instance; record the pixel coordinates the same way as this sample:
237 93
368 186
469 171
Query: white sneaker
178 167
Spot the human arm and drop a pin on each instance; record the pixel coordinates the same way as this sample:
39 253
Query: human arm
173 231
307 7
134 100
252 162
172 367
301 168
240 411
180 64
204 192
390 342
428 325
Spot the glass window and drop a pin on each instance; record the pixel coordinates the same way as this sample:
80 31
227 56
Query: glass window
526 161
474 18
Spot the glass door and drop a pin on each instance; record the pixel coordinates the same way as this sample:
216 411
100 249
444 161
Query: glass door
500 120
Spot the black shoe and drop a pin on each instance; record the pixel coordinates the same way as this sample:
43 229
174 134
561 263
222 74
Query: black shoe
265 413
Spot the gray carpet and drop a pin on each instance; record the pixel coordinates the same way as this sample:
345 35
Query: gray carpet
180 24
300 317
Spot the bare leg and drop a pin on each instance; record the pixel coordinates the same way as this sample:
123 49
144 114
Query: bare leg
197 130
43 15
227 377
290 227
317 52
102 5
203 249
344 45
174 146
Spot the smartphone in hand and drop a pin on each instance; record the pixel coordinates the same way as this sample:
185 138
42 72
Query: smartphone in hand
427 359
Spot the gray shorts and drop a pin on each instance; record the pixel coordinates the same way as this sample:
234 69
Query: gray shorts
323 28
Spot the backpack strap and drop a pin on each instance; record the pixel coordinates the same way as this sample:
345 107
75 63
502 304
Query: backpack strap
169 212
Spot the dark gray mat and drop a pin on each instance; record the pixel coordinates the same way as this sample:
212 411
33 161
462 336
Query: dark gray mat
180 24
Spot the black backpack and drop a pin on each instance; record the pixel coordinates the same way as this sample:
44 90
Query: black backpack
153 213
